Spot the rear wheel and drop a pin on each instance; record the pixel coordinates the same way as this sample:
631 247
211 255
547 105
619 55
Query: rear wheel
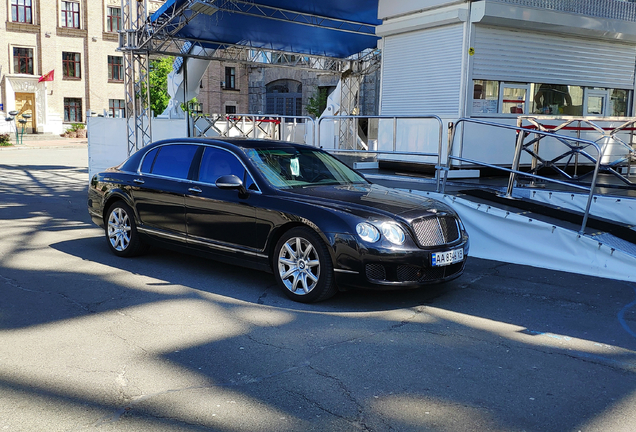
121 231
302 266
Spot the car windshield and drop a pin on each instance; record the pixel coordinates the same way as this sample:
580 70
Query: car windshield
300 167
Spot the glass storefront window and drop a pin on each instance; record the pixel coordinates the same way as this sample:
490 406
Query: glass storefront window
485 97
595 104
500 98
557 99
619 102
514 98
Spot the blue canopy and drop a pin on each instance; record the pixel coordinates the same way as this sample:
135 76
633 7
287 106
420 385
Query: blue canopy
332 28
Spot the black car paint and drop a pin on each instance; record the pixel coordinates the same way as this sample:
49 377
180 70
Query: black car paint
248 225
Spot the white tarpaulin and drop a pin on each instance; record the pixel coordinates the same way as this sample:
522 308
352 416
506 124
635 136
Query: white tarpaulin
499 235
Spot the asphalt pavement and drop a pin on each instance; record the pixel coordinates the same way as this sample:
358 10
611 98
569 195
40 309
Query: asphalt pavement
168 342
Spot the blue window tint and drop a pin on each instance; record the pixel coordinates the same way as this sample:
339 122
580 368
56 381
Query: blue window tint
216 162
174 160
146 165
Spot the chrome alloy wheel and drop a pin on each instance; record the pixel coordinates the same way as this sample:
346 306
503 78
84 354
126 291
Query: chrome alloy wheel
299 265
119 228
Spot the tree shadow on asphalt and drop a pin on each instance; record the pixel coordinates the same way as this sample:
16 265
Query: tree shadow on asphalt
356 365
366 359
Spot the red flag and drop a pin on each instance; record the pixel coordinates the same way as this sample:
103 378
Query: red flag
47 77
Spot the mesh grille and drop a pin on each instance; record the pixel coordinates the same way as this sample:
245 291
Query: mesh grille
408 273
434 273
375 272
436 231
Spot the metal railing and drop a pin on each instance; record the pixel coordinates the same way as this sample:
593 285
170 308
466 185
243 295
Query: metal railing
576 145
249 125
347 147
608 135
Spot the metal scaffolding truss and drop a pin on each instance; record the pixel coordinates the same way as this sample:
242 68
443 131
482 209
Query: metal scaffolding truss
136 83
143 37
247 54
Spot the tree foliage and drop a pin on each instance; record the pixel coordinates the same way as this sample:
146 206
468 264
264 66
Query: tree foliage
317 103
158 78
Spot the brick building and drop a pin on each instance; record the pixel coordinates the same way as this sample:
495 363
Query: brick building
77 40
74 42
224 88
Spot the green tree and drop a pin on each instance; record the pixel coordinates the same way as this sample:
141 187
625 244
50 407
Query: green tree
158 78
317 103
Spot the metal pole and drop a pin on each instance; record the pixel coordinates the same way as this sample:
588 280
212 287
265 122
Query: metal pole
591 195
576 155
515 162
394 133
451 139
185 95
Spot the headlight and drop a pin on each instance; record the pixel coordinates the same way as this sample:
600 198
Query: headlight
393 233
368 232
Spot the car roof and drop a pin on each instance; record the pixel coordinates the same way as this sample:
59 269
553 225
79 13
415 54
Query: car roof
134 160
248 143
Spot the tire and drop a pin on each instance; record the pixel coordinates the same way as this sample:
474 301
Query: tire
121 231
302 266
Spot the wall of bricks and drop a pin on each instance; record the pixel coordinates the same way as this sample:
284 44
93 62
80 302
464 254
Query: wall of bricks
49 39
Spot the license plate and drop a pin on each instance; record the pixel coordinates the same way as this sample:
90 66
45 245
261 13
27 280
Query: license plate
447 258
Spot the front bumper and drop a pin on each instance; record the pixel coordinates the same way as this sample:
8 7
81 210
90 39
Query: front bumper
386 267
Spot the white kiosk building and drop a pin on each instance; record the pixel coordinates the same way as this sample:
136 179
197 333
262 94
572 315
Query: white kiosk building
497 60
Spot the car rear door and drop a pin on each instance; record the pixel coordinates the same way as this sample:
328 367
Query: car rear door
218 218
160 189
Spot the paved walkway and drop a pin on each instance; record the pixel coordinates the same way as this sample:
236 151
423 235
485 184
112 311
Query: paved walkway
65 142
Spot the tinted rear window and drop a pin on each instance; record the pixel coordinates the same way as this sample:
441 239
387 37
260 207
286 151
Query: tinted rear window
174 160
146 165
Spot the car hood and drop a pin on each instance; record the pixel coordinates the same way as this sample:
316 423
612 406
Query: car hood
362 198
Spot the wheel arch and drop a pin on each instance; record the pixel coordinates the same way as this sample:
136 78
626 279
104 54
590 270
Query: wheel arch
114 196
280 231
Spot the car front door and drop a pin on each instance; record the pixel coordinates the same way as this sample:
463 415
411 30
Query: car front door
160 189
218 218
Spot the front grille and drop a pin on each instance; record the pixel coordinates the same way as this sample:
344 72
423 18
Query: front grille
436 230
375 272
435 273
408 273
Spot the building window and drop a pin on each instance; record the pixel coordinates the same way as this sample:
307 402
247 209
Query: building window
230 78
115 68
72 110
71 67
514 98
23 60
230 109
70 14
494 97
284 97
117 108
113 19
21 11
619 103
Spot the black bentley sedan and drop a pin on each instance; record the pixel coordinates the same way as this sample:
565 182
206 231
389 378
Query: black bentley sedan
291 209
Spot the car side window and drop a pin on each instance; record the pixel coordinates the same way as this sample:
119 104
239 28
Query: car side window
216 163
174 160
149 159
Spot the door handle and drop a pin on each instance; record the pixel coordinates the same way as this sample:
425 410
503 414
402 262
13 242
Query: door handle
138 181
195 190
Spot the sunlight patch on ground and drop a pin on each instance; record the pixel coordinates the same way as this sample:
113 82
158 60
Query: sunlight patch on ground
425 413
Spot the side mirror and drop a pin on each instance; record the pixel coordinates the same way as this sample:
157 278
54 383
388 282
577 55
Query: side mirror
231 181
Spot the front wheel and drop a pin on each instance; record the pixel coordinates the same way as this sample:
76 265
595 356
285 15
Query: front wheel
121 231
302 266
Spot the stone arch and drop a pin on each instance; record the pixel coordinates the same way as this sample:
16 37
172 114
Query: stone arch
284 97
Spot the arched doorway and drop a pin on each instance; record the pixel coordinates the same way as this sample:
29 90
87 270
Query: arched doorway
284 97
